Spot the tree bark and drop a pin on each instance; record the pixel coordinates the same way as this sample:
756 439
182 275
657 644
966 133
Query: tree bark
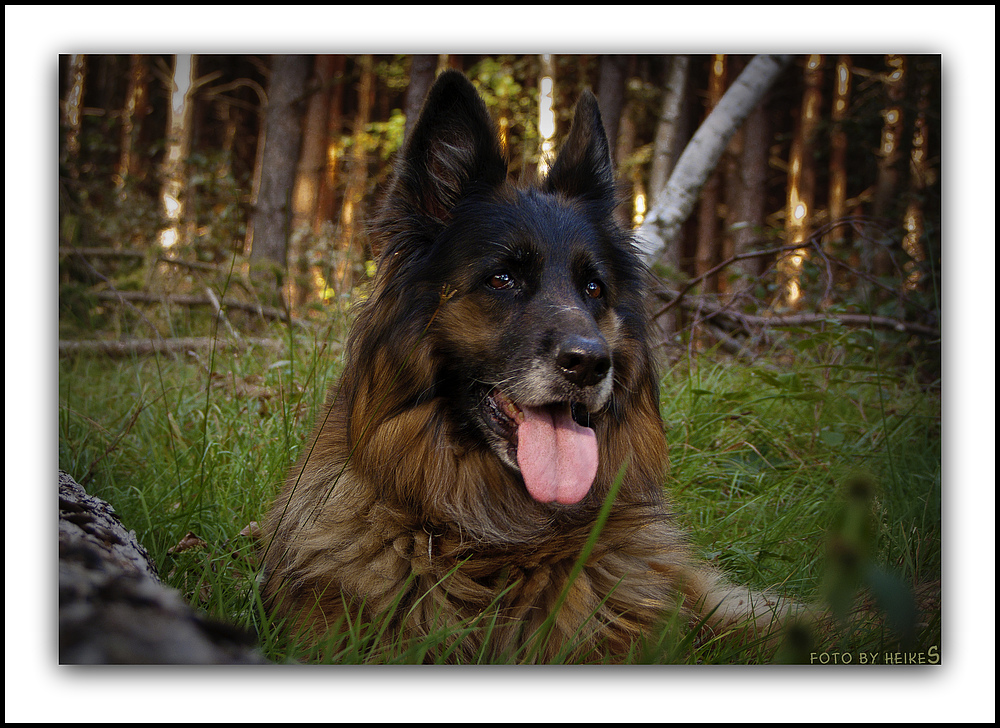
422 71
838 151
312 160
749 198
133 111
145 347
611 96
72 114
701 155
174 170
354 194
309 179
328 188
269 221
669 128
707 244
113 609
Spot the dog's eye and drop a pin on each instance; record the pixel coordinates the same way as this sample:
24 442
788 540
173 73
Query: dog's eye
501 281
594 289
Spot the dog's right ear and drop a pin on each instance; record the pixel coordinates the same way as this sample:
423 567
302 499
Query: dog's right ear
453 149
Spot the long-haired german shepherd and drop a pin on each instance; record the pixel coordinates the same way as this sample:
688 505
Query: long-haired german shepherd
499 385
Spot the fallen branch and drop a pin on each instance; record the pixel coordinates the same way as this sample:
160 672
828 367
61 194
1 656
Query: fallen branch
709 310
145 347
140 255
267 312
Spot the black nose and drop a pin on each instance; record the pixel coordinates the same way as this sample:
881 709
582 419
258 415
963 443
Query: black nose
584 361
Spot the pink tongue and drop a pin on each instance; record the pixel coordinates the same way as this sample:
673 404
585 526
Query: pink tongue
557 457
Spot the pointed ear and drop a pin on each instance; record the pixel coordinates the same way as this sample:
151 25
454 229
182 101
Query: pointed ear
583 167
453 149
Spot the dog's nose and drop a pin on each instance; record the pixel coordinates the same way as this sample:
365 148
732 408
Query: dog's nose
583 360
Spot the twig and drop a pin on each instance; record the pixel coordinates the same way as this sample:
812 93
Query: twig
214 300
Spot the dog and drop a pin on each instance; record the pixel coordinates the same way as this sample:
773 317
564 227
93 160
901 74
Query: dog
497 413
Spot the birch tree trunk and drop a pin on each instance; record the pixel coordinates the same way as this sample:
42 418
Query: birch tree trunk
72 114
669 127
179 116
701 155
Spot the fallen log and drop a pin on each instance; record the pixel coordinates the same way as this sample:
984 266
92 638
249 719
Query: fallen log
113 608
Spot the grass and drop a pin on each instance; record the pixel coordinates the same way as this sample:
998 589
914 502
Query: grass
818 475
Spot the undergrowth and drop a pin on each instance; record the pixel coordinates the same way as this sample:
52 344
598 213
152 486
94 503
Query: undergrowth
819 477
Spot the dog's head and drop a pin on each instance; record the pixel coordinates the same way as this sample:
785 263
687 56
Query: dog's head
526 303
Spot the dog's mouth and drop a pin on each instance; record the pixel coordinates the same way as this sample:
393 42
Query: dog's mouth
552 445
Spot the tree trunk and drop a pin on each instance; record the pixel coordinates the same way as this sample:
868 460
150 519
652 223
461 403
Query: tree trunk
134 109
113 609
281 132
423 68
309 179
913 219
748 200
72 114
669 212
351 212
611 72
325 204
801 183
707 248
838 152
546 113
669 129
312 160
174 174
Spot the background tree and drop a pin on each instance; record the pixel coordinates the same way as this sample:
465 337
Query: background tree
174 170
698 160
270 220
745 169
423 69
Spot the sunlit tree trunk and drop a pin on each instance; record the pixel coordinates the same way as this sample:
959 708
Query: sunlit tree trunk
309 178
350 214
887 183
134 109
72 114
921 174
801 182
874 247
312 159
838 152
748 198
281 134
674 205
706 251
630 175
179 115
325 206
546 113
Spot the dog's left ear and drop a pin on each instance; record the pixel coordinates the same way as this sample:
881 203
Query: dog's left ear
583 167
